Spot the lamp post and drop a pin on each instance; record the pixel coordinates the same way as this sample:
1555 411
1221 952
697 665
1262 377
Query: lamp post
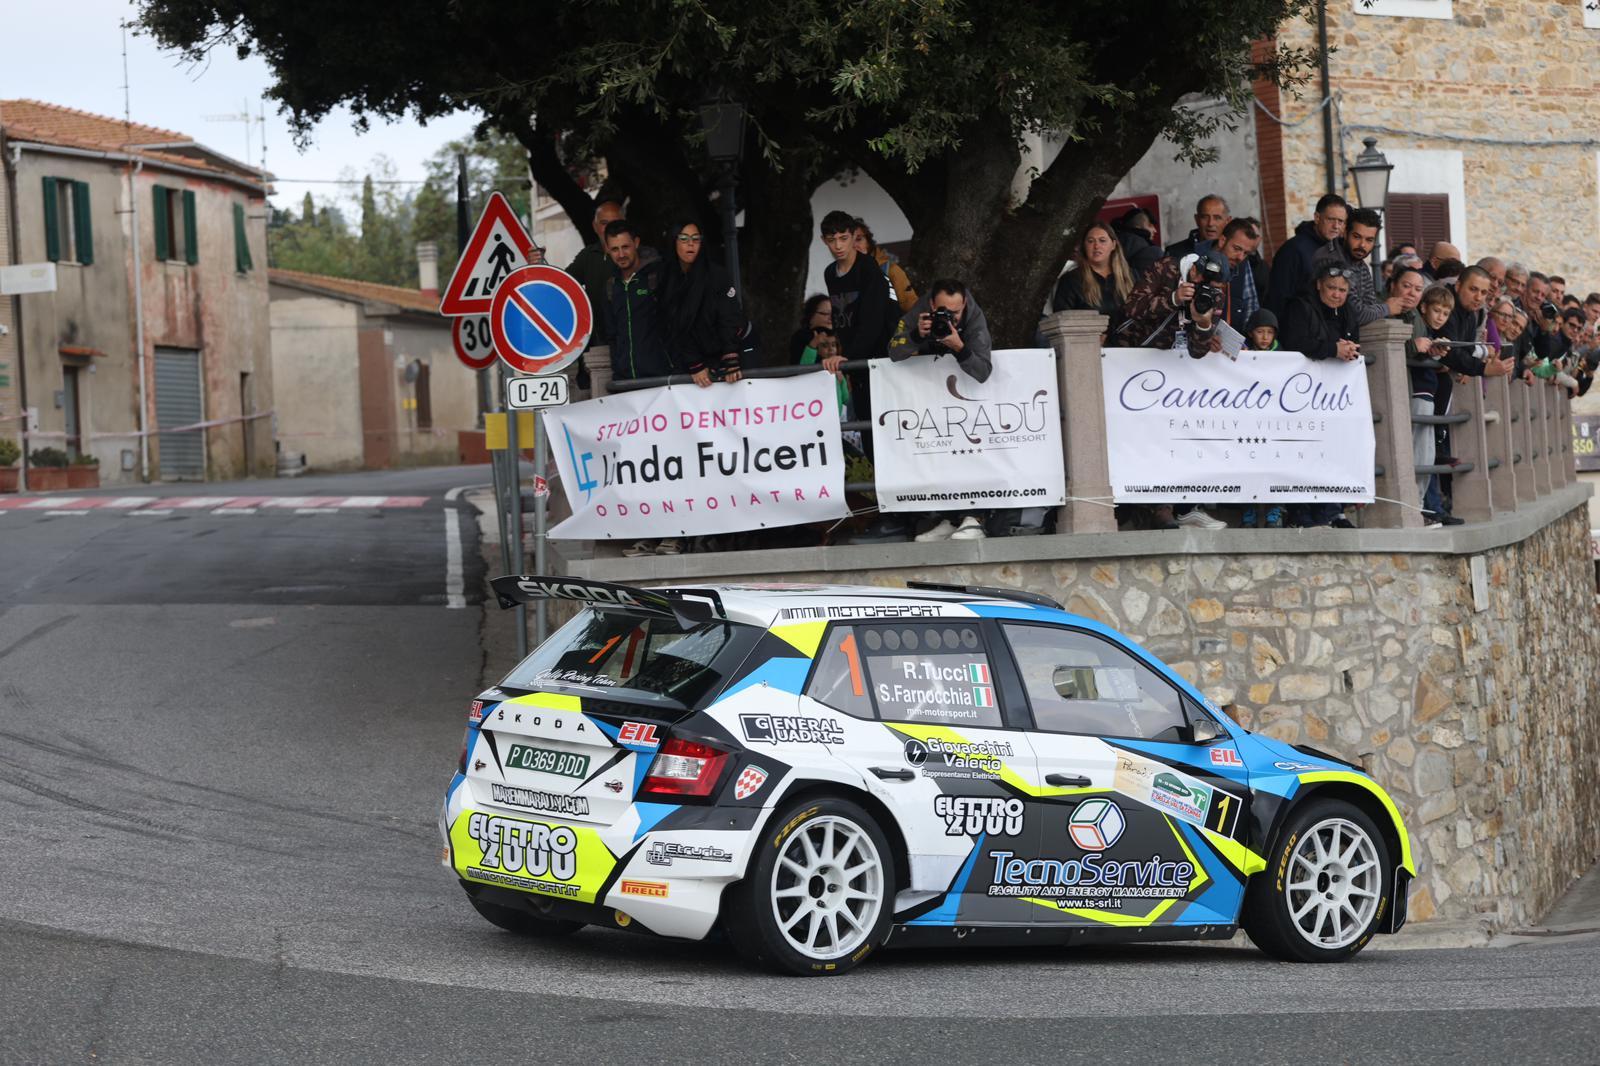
723 122
1371 172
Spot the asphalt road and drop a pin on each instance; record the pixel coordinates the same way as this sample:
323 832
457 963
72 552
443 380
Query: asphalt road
223 740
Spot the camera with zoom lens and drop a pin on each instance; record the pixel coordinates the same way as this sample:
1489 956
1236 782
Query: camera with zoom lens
1207 291
944 322
1548 310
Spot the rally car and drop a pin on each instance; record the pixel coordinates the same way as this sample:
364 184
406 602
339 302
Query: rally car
815 771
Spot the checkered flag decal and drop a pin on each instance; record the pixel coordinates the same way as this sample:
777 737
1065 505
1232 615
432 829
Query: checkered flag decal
749 783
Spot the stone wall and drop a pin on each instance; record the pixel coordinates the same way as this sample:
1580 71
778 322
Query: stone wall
1495 71
1481 717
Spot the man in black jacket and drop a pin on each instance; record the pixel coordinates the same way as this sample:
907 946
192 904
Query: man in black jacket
1211 217
1135 232
865 309
638 343
1291 267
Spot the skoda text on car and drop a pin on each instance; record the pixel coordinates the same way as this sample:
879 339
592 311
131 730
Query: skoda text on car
819 770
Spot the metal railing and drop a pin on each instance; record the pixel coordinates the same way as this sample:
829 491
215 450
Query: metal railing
1510 441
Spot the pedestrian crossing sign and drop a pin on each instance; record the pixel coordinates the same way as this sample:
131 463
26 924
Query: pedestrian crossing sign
499 245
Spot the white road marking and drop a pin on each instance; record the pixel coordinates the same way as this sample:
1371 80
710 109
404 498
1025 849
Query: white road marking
454 585
316 510
148 511
363 501
128 502
51 501
234 510
66 513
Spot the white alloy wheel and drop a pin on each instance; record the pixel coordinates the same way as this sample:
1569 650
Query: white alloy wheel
1333 883
827 888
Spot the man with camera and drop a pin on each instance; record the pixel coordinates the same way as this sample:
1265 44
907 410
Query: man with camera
948 321
1177 297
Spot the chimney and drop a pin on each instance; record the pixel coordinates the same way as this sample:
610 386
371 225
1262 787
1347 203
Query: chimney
428 268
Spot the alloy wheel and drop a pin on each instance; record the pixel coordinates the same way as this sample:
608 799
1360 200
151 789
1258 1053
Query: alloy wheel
1333 883
827 888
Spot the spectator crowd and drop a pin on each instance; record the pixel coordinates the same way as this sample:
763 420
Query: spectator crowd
680 313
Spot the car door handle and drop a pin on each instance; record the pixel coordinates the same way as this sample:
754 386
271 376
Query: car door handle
893 773
1076 780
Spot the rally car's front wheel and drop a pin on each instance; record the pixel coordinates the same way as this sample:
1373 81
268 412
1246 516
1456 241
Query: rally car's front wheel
819 894
1325 888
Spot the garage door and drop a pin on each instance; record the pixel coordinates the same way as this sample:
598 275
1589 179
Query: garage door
179 403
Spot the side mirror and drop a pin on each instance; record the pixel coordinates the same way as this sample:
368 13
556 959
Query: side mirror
1204 730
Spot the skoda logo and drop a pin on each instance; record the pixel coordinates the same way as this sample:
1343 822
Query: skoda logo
916 752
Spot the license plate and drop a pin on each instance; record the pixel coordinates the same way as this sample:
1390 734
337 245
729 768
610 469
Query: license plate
562 763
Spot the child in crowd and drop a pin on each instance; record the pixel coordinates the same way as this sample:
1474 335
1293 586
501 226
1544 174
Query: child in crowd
1262 331
1433 314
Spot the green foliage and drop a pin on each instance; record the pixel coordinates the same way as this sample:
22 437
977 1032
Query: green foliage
9 452
50 458
85 460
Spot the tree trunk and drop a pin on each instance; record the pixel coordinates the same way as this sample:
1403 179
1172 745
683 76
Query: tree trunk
775 246
544 163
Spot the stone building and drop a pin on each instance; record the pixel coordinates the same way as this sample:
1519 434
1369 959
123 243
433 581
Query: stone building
159 314
366 374
1488 109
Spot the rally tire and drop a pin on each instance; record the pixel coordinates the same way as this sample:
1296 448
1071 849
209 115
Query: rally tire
818 897
523 923
1326 887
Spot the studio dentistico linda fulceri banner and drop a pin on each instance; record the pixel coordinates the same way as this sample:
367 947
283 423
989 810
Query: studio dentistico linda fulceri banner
943 441
1271 427
687 461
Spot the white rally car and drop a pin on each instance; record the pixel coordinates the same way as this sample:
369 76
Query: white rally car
819 770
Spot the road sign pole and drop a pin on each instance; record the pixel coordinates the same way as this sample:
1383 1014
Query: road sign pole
514 446
541 501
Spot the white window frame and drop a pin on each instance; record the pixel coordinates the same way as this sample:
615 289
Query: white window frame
1591 14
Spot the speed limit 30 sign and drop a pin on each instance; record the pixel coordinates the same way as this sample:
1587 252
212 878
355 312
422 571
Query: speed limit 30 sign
474 341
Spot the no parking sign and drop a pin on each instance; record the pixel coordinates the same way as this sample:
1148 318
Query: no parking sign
540 319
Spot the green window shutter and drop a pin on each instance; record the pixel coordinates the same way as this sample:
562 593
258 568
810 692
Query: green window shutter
241 241
82 224
52 222
191 249
163 249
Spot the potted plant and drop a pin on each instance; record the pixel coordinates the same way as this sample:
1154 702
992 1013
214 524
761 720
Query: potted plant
84 473
9 454
47 469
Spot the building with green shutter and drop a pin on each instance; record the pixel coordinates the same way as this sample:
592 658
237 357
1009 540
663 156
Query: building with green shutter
158 321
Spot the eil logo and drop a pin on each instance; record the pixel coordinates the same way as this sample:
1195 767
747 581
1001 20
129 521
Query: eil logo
1096 824
1225 757
640 733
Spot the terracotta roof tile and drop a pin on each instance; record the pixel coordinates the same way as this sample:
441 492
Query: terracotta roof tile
66 127
410 299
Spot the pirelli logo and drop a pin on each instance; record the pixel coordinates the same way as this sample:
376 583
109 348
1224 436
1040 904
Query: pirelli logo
654 889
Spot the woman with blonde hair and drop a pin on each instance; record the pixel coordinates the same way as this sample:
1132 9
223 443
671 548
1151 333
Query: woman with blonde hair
1101 279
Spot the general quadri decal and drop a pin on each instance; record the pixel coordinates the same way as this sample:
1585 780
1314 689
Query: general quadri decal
674 462
943 440
1269 426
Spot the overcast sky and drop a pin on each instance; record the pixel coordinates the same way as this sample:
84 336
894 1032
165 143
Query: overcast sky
69 52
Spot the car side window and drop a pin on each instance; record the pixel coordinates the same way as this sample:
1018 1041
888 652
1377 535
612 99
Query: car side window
839 680
935 672
1080 683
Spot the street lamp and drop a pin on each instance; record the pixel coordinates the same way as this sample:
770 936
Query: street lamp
1371 171
723 122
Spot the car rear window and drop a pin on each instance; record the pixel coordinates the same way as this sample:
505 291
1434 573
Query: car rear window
633 656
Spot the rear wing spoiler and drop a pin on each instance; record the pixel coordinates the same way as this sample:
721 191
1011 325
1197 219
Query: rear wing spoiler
690 607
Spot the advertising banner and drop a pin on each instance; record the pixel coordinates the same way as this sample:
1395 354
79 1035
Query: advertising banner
1271 427
945 442
687 461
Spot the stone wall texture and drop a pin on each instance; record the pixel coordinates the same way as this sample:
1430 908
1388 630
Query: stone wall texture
1484 725
1504 70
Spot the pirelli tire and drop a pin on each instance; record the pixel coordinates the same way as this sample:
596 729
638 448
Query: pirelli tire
818 897
523 923
1326 888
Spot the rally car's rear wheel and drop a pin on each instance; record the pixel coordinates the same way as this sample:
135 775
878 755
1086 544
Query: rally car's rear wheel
1325 888
819 894
522 922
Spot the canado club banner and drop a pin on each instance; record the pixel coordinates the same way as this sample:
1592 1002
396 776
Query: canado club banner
1271 427
686 461
943 441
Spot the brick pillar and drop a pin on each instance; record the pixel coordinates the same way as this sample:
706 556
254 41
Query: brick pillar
1269 154
1075 336
1498 429
1389 386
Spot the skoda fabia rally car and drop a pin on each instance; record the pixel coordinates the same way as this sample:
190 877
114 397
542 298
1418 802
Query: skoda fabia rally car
816 771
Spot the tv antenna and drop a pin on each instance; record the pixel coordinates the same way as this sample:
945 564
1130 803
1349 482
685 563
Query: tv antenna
249 120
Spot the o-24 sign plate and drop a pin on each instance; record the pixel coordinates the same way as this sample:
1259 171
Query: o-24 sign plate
525 394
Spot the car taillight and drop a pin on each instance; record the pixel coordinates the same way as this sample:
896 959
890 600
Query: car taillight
685 768
466 742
